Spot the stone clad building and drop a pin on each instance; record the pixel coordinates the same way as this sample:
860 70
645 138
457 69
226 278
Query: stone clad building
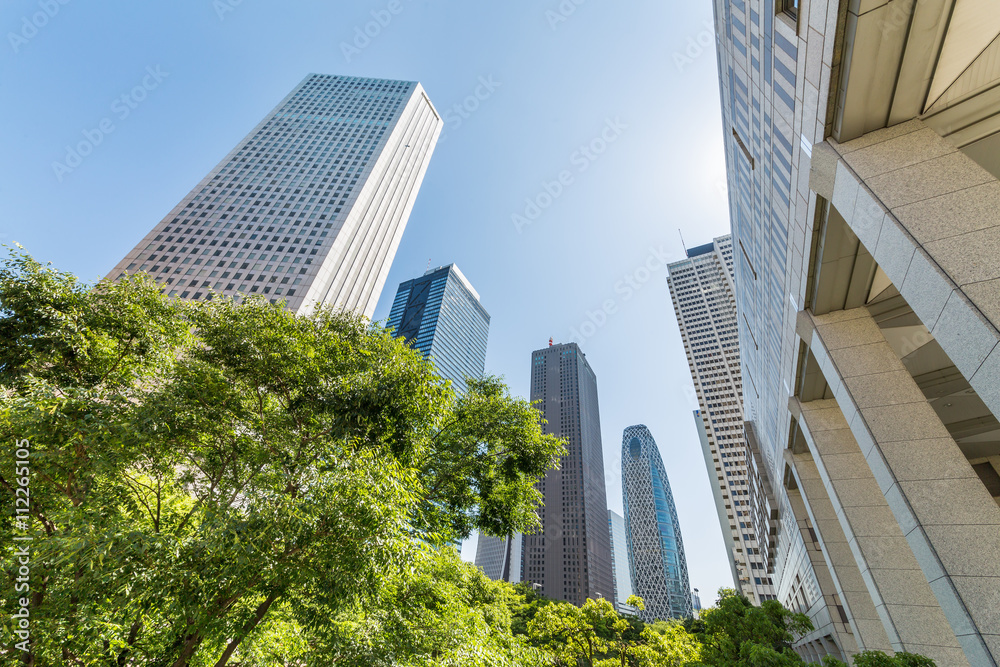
863 157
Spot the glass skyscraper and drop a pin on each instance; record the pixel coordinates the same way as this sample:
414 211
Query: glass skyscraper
309 207
655 546
621 567
440 315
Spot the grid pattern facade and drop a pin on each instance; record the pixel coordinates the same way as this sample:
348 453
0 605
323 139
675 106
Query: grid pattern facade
653 532
621 567
773 112
571 558
703 295
490 553
861 150
309 207
440 315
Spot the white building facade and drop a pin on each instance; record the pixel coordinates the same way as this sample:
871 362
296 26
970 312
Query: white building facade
701 288
309 207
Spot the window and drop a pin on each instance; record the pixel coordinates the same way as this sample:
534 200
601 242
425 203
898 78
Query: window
789 7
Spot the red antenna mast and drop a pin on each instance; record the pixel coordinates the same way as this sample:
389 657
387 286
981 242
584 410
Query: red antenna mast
550 341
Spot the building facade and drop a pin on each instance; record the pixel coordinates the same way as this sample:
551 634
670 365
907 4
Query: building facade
704 299
309 207
440 315
862 152
653 532
491 552
621 565
570 558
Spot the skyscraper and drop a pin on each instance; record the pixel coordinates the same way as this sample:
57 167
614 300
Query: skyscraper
621 566
571 557
863 152
701 287
440 315
309 207
655 546
490 555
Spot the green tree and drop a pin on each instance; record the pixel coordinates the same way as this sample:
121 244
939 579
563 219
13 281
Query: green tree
444 612
736 633
597 636
204 474
880 659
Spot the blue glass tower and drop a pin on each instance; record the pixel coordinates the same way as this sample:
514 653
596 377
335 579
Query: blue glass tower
440 315
655 547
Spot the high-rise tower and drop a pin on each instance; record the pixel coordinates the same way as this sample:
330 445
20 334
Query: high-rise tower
439 314
571 557
701 287
655 546
621 566
309 207
862 145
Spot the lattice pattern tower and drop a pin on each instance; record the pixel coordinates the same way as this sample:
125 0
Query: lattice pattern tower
655 547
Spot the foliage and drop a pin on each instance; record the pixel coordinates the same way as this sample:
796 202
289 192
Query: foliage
595 635
214 482
444 612
526 604
735 632
900 659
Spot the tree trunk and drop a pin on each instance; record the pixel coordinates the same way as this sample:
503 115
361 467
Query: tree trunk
133 634
190 646
248 628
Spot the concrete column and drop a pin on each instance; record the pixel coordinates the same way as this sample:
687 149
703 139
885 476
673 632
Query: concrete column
866 625
846 636
949 520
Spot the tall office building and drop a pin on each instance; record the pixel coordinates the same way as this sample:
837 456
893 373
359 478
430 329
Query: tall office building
701 287
440 315
863 155
309 207
490 555
571 557
621 566
653 532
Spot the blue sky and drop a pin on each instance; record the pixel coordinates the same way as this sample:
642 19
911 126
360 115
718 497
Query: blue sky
619 99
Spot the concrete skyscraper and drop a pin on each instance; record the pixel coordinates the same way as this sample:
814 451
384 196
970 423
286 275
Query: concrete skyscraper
571 557
653 532
440 315
862 144
704 299
309 207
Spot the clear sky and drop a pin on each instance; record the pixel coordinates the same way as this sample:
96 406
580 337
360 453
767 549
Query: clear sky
622 96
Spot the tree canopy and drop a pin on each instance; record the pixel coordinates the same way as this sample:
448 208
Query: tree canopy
216 484
200 469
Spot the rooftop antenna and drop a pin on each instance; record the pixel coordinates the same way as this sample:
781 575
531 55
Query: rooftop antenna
550 341
428 264
683 245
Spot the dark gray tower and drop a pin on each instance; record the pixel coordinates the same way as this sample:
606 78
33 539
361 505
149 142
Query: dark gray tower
655 547
571 558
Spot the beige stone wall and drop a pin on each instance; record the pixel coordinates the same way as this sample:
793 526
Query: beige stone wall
919 514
